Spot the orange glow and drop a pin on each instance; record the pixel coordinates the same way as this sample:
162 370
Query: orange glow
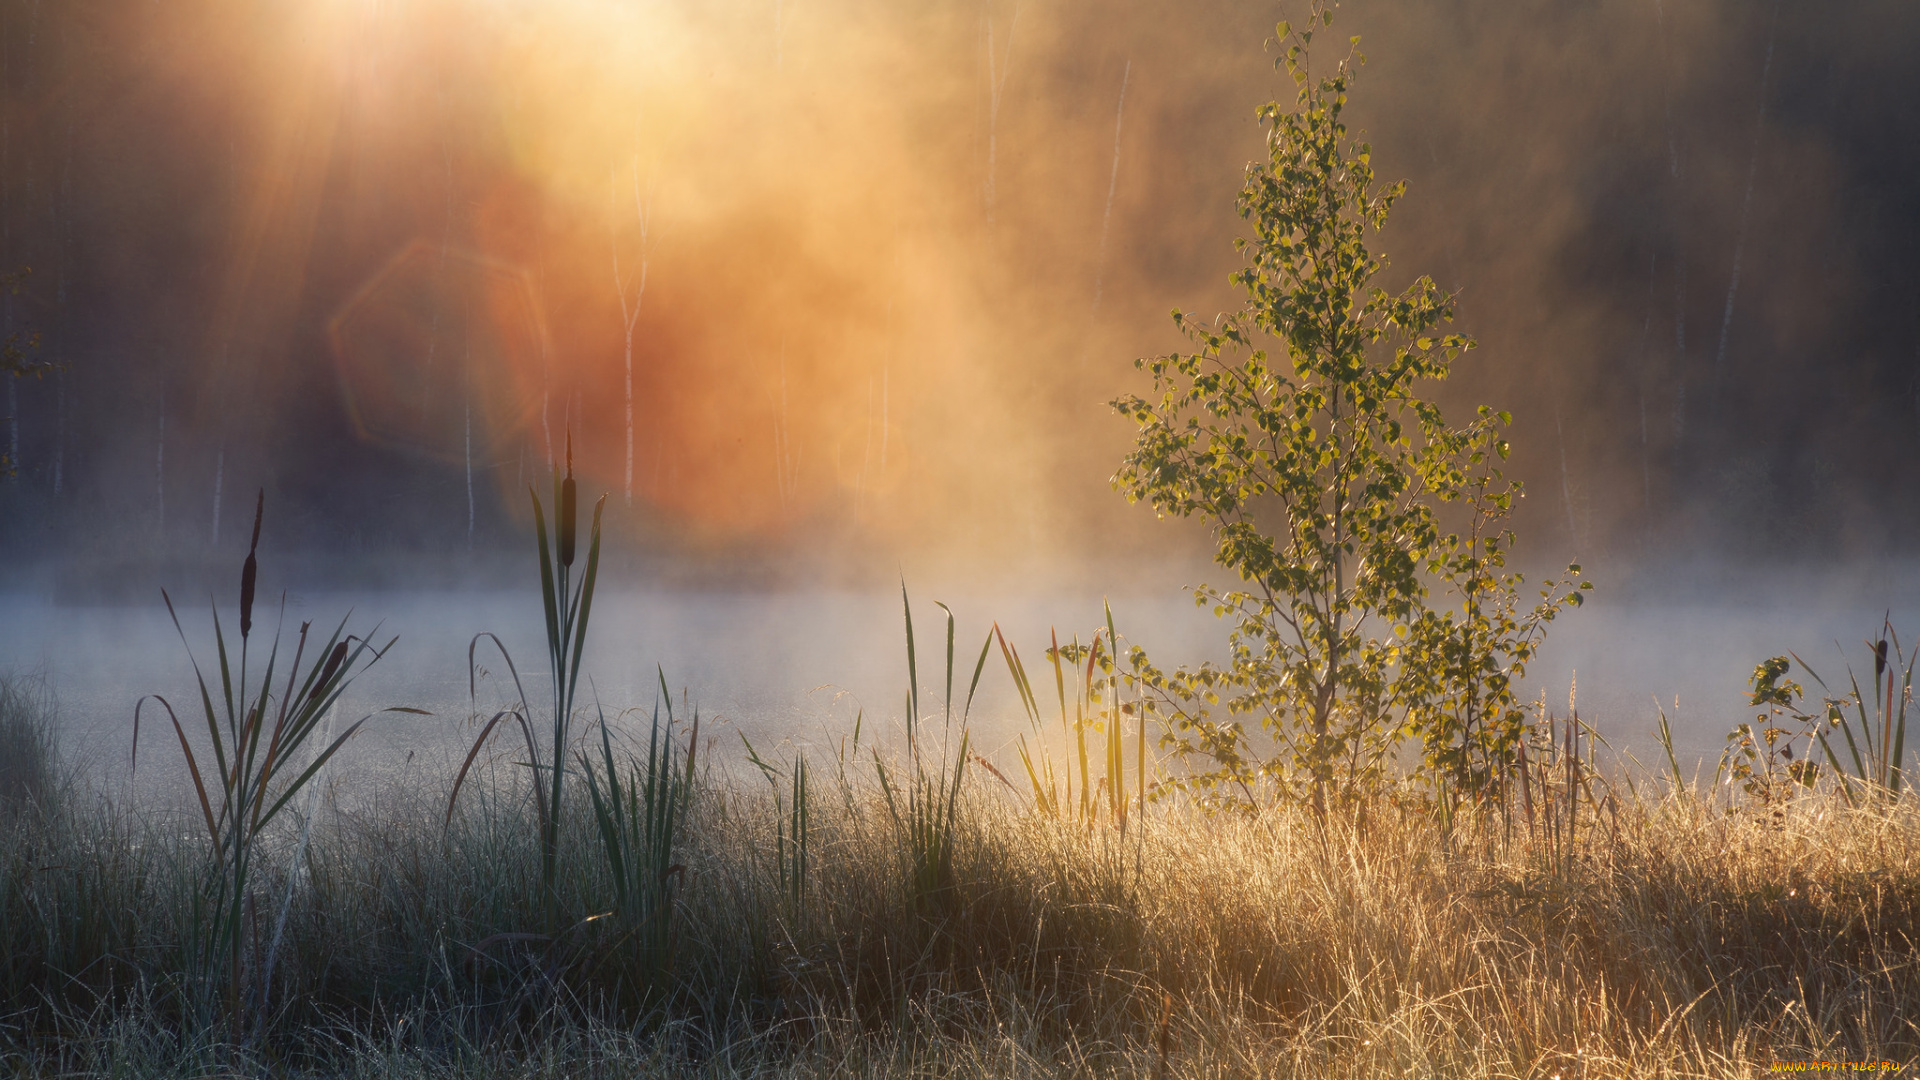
829 330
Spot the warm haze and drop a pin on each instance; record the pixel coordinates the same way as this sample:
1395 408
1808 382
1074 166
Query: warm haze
830 299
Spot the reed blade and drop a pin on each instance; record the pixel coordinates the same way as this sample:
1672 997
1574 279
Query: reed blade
913 667
979 666
949 611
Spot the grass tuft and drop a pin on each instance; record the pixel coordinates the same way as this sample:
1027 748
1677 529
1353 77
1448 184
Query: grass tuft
1674 941
29 764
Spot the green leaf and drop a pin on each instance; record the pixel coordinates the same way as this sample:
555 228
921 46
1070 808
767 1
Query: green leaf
1301 433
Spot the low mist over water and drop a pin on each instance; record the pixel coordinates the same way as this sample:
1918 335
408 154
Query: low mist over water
796 666
822 294
878 383
778 667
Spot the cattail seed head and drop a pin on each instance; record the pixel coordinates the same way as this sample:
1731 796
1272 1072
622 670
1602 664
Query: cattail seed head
248 573
334 659
251 570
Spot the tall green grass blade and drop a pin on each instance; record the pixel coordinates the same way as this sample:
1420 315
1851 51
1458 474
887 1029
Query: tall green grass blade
1835 717
979 666
1018 672
639 809
886 787
913 667
1043 800
320 760
1904 698
584 599
1866 725
949 611
193 766
753 758
1840 774
546 568
1059 682
1853 748
1066 726
1116 789
1666 743
799 831
206 699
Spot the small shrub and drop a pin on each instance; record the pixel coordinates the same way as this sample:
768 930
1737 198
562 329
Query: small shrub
1870 726
1328 482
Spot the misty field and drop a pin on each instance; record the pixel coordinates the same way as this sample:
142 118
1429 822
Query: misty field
1649 934
376 271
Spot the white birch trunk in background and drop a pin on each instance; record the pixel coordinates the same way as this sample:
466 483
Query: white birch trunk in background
160 475
1675 171
6 244
779 33
1566 479
1746 209
13 425
546 392
997 70
467 409
1113 184
786 465
1646 373
866 459
630 309
219 480
59 429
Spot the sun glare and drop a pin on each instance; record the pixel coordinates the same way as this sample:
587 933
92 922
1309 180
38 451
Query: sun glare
731 260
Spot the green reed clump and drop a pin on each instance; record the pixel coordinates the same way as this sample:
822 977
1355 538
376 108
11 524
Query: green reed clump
1097 715
792 814
639 809
925 806
257 739
87 901
568 605
29 761
1873 725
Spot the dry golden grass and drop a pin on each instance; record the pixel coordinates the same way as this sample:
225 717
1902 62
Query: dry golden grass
1677 940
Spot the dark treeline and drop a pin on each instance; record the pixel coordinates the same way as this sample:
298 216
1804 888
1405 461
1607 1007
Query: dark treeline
1683 231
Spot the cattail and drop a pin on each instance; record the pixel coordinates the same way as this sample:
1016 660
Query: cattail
1879 657
567 515
251 570
334 659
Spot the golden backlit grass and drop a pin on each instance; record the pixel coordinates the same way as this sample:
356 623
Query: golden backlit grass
1677 940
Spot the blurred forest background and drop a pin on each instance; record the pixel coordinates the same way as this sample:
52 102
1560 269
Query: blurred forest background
868 271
